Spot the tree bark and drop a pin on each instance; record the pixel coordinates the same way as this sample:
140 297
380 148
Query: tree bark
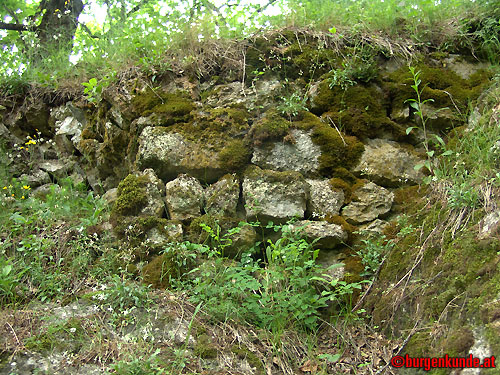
59 23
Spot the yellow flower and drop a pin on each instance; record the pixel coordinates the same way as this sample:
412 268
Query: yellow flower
30 142
22 197
5 187
26 187
12 194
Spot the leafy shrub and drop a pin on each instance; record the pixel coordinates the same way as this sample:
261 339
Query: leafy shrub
284 288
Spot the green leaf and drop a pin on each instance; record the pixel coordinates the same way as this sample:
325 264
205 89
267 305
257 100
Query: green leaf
415 105
333 30
447 153
430 153
418 166
409 129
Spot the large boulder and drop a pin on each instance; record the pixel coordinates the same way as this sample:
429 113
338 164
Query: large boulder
276 196
389 164
324 235
323 198
299 154
222 197
368 203
170 154
184 198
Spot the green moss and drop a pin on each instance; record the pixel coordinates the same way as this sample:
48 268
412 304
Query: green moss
167 108
66 336
271 127
444 86
245 354
337 183
131 196
336 149
160 271
235 155
458 342
339 220
204 348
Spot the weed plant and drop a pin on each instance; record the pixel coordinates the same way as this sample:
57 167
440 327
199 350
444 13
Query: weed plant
285 288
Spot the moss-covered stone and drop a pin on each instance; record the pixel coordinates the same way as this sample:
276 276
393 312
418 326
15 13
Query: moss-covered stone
160 271
166 108
204 348
271 127
131 196
235 155
445 87
243 353
337 150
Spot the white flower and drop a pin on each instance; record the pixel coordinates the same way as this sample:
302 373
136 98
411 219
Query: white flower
72 330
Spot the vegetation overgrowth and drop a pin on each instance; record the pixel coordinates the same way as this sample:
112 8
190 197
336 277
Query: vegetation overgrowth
55 249
163 37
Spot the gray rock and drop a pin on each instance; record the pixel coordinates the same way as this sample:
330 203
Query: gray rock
389 164
277 196
376 227
325 235
155 191
222 197
463 68
369 202
331 261
170 154
172 233
184 198
489 225
301 156
323 199
36 178
260 96
58 168
110 196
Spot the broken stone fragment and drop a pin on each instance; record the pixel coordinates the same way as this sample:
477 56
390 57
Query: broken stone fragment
389 164
301 155
323 199
222 197
184 198
276 196
325 235
369 202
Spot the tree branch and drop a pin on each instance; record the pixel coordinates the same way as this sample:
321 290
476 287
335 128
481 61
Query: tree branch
87 30
11 13
15 27
137 7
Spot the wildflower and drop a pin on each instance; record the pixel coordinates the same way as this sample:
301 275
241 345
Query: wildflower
26 187
22 197
72 329
5 187
12 194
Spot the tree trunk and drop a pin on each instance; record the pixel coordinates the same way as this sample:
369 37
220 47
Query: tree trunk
58 27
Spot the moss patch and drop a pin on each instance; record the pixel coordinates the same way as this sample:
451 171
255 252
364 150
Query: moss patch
245 354
204 348
336 150
159 271
166 108
271 127
131 196
235 155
